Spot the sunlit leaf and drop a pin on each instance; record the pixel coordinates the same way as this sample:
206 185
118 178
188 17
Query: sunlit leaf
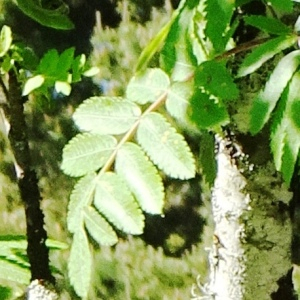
33 83
98 227
177 57
91 72
5 40
80 264
269 25
296 279
215 79
264 52
141 177
114 200
166 148
46 17
285 138
206 111
106 115
87 152
49 63
147 86
64 64
14 272
266 100
63 87
81 196
178 100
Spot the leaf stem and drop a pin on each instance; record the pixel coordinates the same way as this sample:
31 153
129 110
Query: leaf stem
129 134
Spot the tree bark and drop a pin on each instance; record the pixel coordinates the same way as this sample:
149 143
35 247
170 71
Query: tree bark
28 184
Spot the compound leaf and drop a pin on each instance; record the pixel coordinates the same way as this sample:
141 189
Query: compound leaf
114 200
166 148
80 264
147 86
141 177
267 99
81 196
263 53
87 152
106 115
98 227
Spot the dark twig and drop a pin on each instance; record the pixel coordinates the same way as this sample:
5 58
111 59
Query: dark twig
37 251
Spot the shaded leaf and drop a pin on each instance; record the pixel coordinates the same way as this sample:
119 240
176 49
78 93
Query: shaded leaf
106 115
264 52
87 152
218 17
266 100
81 196
46 17
214 77
147 86
98 228
5 40
207 157
80 264
166 148
114 200
207 112
284 6
32 83
269 25
141 177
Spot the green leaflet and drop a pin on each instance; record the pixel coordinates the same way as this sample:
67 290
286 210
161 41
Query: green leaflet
284 6
114 200
14 272
87 152
82 195
264 52
165 146
266 100
50 18
178 100
106 115
207 112
296 279
5 292
80 264
218 17
285 137
141 177
32 83
177 56
5 40
215 79
269 25
98 228
147 86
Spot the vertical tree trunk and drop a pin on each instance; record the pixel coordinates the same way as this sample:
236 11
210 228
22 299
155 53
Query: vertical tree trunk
252 236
